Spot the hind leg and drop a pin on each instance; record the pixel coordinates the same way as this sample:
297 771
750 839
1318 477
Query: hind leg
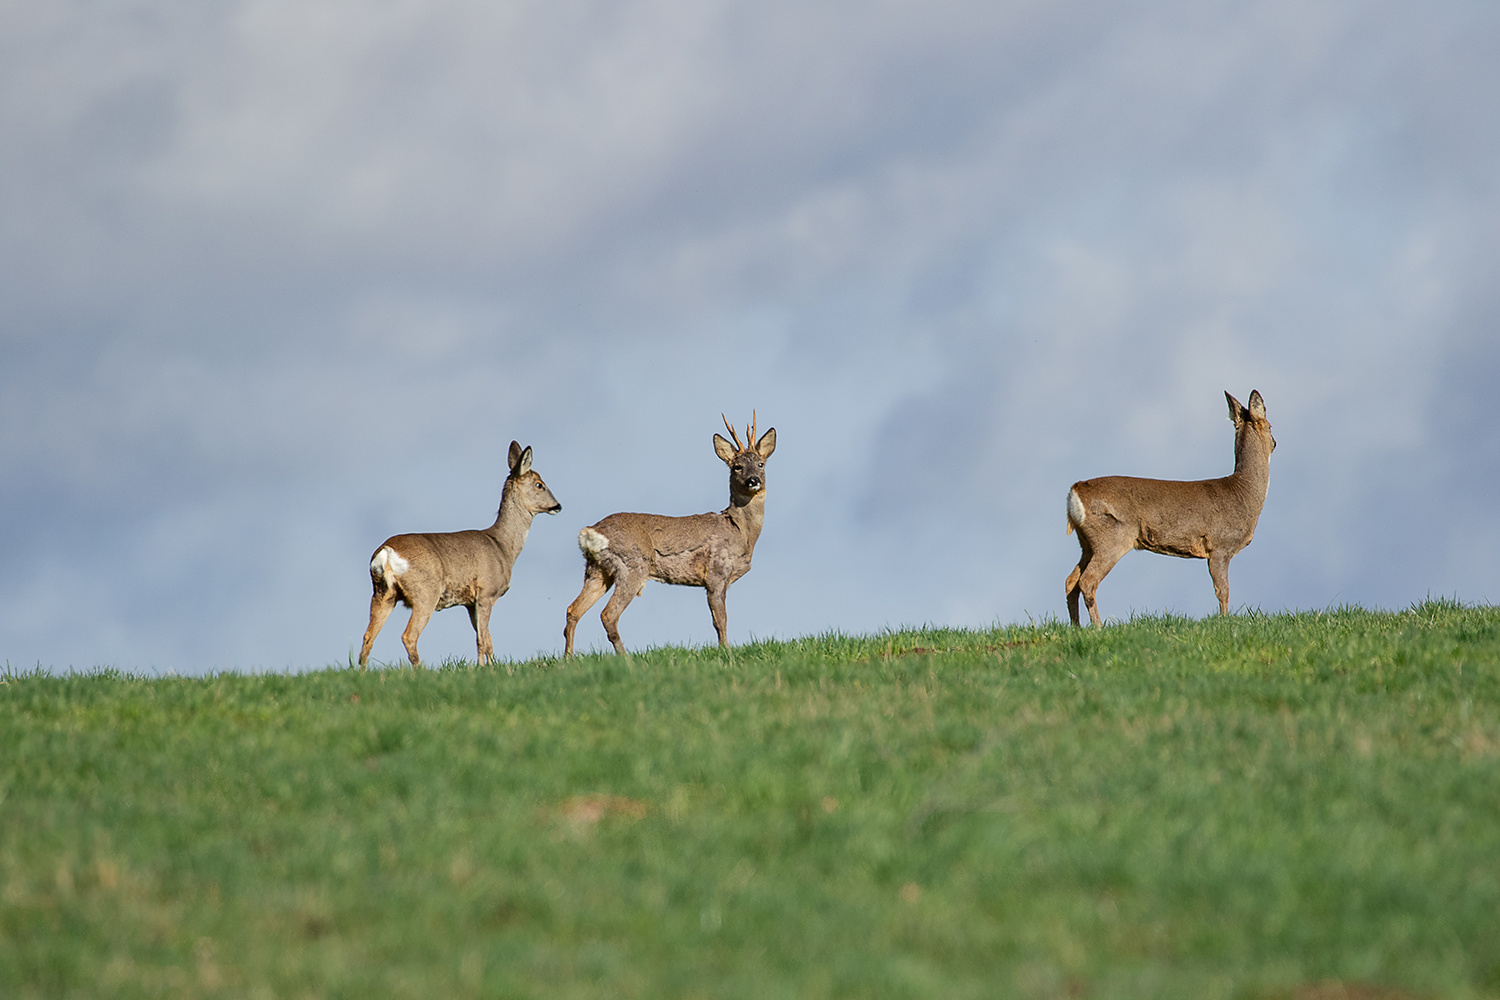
1073 577
381 605
419 616
594 586
626 590
1073 592
1098 568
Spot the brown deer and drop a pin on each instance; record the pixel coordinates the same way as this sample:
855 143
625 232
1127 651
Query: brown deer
703 550
429 572
1207 519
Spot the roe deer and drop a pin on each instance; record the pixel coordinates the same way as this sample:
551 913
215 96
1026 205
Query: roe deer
1207 519
429 572
703 550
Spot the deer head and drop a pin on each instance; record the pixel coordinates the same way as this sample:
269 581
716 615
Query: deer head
531 492
1251 428
747 462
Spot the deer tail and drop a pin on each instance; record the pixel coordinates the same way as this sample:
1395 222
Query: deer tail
592 544
595 548
386 566
1076 512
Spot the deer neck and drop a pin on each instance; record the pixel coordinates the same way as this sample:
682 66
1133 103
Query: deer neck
1252 464
512 524
747 517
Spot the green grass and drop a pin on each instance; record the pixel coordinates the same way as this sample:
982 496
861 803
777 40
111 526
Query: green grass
1261 806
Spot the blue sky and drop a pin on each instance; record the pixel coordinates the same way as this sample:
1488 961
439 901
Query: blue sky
278 280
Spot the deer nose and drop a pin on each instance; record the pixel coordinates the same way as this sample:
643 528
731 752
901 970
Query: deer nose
752 482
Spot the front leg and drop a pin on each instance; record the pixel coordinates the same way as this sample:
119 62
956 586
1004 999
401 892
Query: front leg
717 592
479 617
1218 570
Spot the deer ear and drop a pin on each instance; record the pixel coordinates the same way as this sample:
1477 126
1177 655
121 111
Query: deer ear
724 449
1257 405
1236 411
523 464
515 456
766 444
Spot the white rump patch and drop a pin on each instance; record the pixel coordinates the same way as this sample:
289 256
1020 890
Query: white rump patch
387 564
1076 513
592 542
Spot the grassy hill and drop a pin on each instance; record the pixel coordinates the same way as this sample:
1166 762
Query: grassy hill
1264 806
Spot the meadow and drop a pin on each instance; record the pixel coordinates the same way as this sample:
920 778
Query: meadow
1301 806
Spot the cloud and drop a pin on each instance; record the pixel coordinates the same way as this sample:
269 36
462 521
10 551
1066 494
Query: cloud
278 281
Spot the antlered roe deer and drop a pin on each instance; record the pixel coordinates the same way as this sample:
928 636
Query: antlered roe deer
1208 519
703 550
429 572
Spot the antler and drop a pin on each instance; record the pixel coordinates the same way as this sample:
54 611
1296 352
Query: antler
754 426
737 445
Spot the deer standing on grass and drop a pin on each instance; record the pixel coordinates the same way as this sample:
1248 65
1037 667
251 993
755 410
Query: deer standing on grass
1207 519
429 572
703 550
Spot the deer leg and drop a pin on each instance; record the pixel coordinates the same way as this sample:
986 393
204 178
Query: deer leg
625 592
1073 577
479 617
1101 562
594 586
1072 588
381 605
420 613
716 596
382 602
1218 569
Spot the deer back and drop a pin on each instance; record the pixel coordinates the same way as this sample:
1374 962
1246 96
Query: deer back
1168 516
688 550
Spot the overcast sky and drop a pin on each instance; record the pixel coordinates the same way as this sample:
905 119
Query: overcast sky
279 279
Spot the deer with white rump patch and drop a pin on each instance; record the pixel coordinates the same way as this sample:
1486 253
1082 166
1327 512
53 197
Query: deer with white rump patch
702 550
429 572
1207 519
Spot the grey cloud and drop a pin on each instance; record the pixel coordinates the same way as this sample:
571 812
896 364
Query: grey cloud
277 281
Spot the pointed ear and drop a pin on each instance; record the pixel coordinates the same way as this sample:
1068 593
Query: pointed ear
1257 405
724 449
1236 411
515 456
766 444
523 466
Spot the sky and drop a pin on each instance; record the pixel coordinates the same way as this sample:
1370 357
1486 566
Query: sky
279 280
